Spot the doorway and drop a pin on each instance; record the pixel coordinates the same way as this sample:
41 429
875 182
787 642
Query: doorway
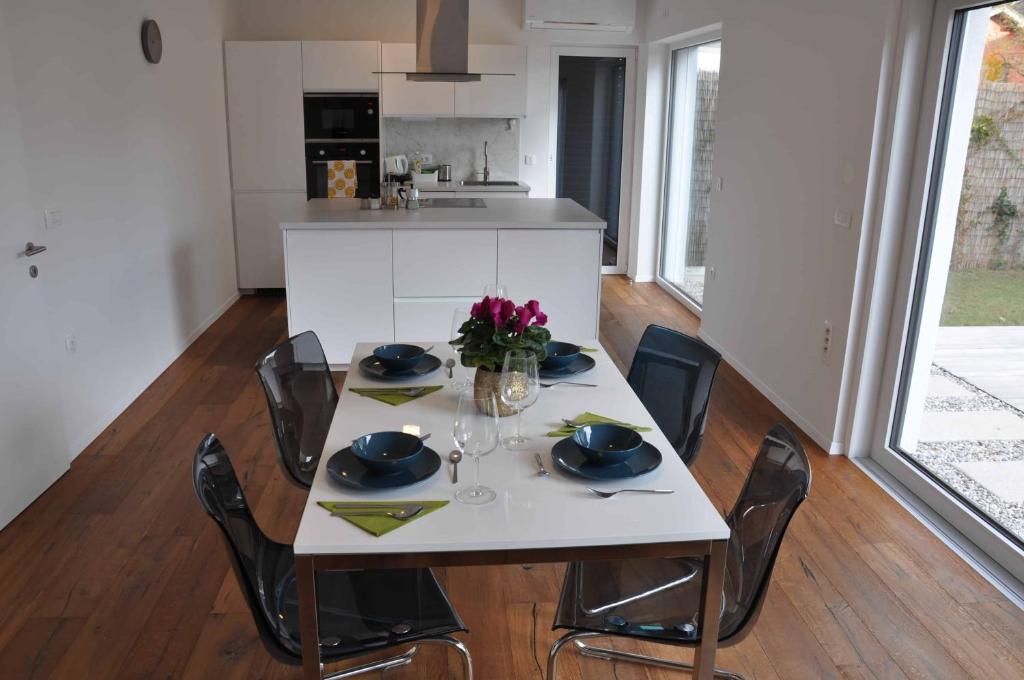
951 425
592 128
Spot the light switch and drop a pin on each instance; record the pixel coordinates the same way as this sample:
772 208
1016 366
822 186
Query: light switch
53 217
843 218
530 159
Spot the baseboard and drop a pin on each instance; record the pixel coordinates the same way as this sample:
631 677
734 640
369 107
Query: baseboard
821 440
82 443
990 570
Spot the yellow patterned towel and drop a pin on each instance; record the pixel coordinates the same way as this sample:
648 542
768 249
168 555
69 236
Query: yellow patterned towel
341 179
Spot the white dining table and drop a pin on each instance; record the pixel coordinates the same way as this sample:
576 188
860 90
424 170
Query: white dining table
534 518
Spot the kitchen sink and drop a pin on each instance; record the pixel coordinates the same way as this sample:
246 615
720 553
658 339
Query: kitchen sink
489 183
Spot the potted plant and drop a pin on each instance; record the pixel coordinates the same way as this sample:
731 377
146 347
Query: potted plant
495 327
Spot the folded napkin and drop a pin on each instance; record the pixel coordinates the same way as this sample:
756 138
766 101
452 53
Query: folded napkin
589 418
382 524
341 179
588 349
394 395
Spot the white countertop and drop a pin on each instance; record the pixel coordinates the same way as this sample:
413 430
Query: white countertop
520 188
530 511
505 213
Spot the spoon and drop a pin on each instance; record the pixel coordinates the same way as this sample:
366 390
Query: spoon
450 364
393 514
541 470
454 457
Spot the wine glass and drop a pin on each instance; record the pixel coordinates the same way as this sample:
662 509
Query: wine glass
519 387
460 373
496 290
475 434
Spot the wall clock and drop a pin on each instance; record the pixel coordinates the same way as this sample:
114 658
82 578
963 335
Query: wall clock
152 44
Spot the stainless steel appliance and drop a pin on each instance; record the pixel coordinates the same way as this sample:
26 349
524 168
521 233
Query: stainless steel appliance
367 159
351 117
444 172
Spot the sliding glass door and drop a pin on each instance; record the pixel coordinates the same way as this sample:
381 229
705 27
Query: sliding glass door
954 429
693 100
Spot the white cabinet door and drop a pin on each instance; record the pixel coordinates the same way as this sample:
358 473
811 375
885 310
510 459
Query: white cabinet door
335 66
400 97
339 285
444 262
264 91
428 320
559 267
494 96
258 236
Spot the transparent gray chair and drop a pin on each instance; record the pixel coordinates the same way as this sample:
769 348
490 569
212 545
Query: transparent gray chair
301 398
779 481
672 374
360 612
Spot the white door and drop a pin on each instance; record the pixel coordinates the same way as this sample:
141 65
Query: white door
33 453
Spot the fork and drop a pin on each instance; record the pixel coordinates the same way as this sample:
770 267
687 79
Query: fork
609 494
408 392
407 513
567 382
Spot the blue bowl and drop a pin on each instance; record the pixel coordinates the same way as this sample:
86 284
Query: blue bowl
387 451
399 358
560 354
607 444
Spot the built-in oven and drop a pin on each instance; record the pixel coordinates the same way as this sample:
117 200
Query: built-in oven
353 117
320 157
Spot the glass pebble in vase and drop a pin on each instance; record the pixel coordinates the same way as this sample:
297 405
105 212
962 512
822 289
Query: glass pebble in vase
519 388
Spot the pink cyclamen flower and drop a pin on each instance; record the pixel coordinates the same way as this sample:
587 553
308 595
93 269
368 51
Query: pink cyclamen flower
540 318
508 311
523 316
494 310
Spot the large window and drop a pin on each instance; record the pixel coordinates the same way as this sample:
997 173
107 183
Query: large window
691 141
956 420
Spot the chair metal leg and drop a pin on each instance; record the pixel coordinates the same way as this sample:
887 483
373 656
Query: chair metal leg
557 647
379 665
615 655
406 658
467 660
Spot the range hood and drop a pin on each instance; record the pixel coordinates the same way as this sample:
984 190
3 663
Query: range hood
442 43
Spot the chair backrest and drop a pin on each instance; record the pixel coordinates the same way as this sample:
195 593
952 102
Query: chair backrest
778 483
260 564
672 375
301 397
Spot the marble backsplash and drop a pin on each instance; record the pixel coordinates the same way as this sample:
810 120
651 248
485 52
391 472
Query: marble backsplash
458 141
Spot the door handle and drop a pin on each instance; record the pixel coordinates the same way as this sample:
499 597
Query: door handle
32 249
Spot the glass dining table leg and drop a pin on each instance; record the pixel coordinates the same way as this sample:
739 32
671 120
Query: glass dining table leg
711 600
305 574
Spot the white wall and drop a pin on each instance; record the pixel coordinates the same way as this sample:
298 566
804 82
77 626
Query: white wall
797 96
136 156
498 22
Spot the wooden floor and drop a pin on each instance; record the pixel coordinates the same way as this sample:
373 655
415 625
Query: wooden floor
116 573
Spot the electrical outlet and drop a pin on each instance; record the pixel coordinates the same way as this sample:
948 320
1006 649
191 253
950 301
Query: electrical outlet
843 218
826 344
530 159
53 217
70 343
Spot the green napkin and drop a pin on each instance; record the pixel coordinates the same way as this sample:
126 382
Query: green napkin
378 526
588 349
393 395
589 418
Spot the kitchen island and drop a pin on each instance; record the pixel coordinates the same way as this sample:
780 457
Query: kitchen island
377 275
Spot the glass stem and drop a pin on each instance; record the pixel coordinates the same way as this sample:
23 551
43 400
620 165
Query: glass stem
476 480
519 424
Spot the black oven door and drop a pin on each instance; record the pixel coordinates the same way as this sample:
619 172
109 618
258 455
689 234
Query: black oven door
320 156
342 117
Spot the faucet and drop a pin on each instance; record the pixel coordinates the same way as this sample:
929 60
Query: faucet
487 168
